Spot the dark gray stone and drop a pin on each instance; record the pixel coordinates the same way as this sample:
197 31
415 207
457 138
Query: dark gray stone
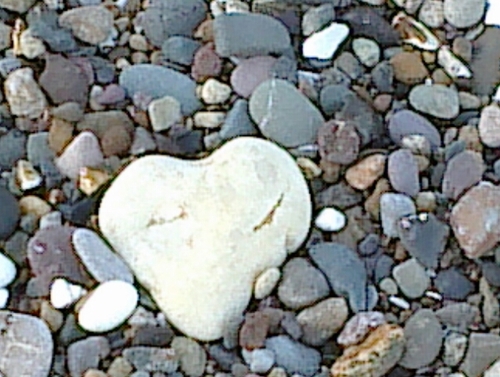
87 354
12 148
237 122
10 213
333 98
180 50
453 285
406 122
248 34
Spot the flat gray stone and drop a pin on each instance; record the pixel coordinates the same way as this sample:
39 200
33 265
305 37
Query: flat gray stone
26 346
87 354
249 34
424 338
482 351
402 169
436 100
406 122
411 278
284 114
157 82
392 208
293 356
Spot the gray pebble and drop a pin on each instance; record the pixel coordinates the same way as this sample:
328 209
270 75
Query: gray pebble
462 172
315 18
180 50
383 77
232 31
193 357
411 278
482 351
237 122
453 285
406 122
157 82
392 208
152 359
293 356
301 284
38 149
402 169
12 148
344 270
458 315
436 100
87 354
333 98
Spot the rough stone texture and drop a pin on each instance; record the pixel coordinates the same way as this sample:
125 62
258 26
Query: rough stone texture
359 327
26 345
475 219
378 354
482 351
366 172
210 251
23 94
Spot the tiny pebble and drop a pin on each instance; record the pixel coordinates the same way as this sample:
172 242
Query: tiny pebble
63 294
330 220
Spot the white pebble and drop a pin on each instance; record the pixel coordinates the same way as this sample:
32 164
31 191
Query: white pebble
8 271
108 306
266 282
434 295
214 92
4 297
330 220
323 44
63 294
399 302
209 119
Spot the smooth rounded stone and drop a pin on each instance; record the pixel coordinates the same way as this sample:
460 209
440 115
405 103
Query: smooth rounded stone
83 151
266 282
87 354
402 170
23 94
405 122
231 31
68 111
107 306
180 49
323 44
431 13
459 315
376 356
101 262
475 219
359 326
209 119
214 92
469 101
367 51
116 141
261 360
250 73
316 17
112 95
454 346
491 271
424 237
293 356
338 142
8 271
100 122
90 24
392 208
63 294
157 82
284 114
411 278
206 63
11 213
330 220
437 100
482 351
484 63
192 357
333 98
409 68
237 122
321 321
302 284
344 270
12 148
453 284
163 19
366 172
164 113
350 65
30 46
389 286
489 126
142 143
220 289
27 346
463 171
422 347
463 14
254 330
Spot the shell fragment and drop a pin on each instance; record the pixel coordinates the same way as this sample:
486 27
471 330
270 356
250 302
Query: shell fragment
415 33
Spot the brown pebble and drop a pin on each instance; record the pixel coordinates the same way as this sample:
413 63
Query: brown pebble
382 103
205 31
462 47
366 172
254 331
372 203
116 141
409 68
331 171
439 76
60 134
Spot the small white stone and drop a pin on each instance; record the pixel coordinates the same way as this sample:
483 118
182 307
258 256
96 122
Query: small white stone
434 295
215 92
8 271
108 306
209 119
399 302
330 220
27 176
63 294
4 298
266 282
323 44
164 113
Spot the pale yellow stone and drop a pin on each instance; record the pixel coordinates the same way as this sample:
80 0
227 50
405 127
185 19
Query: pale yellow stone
34 205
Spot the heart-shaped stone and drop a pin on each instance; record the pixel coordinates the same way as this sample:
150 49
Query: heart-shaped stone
197 233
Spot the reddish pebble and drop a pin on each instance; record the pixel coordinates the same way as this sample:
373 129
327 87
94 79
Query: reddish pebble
254 331
338 142
250 73
206 63
112 94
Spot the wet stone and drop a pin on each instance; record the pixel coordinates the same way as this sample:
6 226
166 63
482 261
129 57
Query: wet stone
411 278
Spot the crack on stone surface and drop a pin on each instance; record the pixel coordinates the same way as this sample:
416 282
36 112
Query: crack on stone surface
269 217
